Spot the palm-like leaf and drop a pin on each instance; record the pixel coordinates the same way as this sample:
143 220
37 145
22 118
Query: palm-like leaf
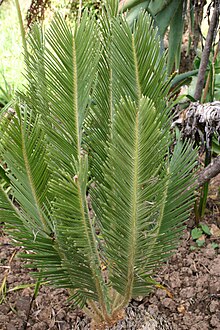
166 14
175 206
139 218
58 94
135 190
131 65
136 225
23 151
70 77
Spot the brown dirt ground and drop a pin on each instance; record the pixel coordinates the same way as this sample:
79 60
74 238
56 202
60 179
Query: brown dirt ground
189 299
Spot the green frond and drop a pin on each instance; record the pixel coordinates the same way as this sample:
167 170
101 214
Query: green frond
51 133
74 231
132 189
7 211
141 205
111 7
139 65
27 212
22 149
60 82
71 59
175 207
51 206
131 66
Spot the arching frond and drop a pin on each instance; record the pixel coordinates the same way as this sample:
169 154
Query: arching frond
176 204
60 82
75 233
42 149
142 204
23 150
71 59
131 65
133 189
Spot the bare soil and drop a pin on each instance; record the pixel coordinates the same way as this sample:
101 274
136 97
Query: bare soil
188 299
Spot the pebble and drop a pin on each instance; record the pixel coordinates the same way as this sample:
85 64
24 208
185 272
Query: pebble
153 310
214 288
175 281
215 268
214 306
40 326
215 321
169 303
209 252
160 293
23 304
187 292
11 327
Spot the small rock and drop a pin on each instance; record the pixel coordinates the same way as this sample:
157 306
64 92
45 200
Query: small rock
187 281
11 327
214 306
61 314
201 294
23 304
175 281
215 321
187 319
215 268
202 280
4 319
40 326
153 310
209 252
181 309
160 293
45 314
22 314
4 309
153 300
200 326
215 231
214 288
169 303
187 292
10 279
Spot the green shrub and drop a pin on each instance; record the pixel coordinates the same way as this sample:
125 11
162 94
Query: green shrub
95 120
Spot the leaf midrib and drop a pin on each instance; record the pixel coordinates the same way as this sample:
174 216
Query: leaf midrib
134 206
134 216
75 96
94 255
30 178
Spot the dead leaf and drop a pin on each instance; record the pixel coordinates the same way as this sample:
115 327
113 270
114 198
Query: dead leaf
160 286
215 231
201 238
181 309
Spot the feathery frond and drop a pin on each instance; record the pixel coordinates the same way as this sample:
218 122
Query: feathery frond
131 66
134 191
23 151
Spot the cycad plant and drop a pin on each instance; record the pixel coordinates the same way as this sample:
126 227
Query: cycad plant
94 124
